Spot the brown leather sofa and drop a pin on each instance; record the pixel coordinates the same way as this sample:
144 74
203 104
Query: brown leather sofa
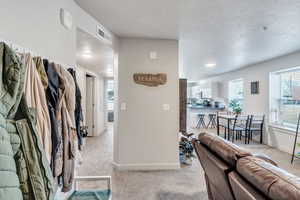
232 173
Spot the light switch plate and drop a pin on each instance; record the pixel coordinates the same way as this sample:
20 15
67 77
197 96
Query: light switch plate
166 106
123 106
153 55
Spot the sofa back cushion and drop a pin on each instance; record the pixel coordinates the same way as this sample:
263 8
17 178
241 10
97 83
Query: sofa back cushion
242 189
274 182
216 171
228 151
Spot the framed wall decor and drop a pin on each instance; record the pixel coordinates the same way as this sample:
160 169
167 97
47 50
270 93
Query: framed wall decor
151 80
255 87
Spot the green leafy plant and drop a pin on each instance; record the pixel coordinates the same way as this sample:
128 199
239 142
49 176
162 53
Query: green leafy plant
186 151
235 106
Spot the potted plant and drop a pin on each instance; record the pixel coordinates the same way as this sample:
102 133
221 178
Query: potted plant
186 150
235 106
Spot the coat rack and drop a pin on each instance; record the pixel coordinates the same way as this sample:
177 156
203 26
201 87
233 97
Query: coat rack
19 49
295 143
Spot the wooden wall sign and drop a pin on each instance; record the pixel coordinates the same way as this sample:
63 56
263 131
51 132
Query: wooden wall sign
151 80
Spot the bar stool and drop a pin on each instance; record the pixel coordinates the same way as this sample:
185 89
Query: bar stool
201 122
212 120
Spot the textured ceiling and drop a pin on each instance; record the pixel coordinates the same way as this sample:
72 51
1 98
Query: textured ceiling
100 55
232 33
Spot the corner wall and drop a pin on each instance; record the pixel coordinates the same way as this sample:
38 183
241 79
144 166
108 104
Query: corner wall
146 137
259 104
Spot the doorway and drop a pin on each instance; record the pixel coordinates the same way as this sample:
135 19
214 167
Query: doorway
95 62
90 104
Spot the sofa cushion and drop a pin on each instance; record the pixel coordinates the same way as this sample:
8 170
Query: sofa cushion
265 158
274 182
228 151
242 190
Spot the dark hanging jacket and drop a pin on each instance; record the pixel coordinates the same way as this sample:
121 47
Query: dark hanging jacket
52 95
78 108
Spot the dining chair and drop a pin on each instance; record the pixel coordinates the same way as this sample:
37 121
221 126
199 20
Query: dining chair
222 122
239 127
257 125
243 127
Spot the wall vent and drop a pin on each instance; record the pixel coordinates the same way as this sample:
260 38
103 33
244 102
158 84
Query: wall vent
103 35
100 32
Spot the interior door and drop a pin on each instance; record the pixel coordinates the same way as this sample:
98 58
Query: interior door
90 104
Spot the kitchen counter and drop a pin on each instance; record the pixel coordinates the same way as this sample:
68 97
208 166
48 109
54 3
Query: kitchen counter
201 107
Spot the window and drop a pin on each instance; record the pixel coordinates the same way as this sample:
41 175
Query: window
236 91
200 92
286 101
203 89
110 95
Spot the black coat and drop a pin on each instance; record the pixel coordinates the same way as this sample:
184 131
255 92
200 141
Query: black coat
78 108
52 95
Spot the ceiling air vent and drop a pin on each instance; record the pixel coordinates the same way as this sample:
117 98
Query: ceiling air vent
100 32
103 35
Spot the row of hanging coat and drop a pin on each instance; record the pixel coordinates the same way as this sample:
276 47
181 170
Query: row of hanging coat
42 99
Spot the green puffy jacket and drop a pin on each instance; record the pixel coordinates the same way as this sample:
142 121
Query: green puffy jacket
24 170
10 95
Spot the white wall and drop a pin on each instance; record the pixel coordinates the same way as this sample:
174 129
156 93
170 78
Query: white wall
35 25
258 104
147 136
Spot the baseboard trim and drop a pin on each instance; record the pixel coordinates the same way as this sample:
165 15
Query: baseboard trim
146 167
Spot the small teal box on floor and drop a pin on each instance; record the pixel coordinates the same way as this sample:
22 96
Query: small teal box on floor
92 194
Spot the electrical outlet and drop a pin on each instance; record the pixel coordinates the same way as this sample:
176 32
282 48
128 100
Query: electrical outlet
123 106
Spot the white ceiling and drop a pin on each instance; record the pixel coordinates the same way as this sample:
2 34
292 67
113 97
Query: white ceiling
99 57
229 33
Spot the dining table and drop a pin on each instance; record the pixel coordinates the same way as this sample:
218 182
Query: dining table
228 119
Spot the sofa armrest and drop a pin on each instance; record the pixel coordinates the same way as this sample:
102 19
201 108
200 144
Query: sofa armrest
265 158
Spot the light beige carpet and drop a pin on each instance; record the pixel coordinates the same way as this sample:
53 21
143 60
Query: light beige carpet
185 184
162 195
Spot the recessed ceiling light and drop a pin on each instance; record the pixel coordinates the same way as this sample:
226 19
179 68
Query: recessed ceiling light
210 65
87 55
87 50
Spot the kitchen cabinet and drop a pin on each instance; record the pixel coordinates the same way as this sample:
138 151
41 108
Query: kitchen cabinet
207 89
